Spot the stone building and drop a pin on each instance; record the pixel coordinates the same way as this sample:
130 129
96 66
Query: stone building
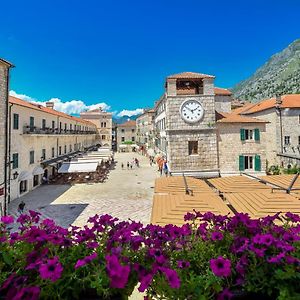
41 139
145 129
4 135
282 130
126 135
103 121
196 131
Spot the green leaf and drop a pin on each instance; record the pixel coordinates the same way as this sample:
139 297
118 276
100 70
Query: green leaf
7 258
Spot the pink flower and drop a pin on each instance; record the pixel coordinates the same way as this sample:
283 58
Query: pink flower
118 274
221 266
86 260
7 219
51 270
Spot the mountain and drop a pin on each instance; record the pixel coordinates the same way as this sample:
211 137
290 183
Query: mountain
279 75
121 120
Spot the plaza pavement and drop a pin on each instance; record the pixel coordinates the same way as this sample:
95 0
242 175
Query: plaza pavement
125 194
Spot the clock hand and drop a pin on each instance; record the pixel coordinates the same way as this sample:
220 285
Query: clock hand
188 109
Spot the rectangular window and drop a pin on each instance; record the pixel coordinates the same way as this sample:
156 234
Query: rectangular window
31 157
287 140
70 148
16 121
59 126
103 137
43 154
43 124
53 152
123 138
59 150
70 126
299 140
53 124
133 139
31 123
65 149
15 163
65 127
104 124
249 134
122 130
132 130
193 147
248 162
101 124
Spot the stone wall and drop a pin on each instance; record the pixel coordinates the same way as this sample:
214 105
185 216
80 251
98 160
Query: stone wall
230 147
223 103
3 95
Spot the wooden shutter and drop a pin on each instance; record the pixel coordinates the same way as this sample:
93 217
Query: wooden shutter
242 132
241 163
256 134
257 165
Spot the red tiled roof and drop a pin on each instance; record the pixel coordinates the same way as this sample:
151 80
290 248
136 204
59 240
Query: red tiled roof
242 109
288 101
189 75
236 118
223 92
47 110
130 123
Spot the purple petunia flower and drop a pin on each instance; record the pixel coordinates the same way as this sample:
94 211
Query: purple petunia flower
86 260
225 295
183 264
220 266
217 236
118 274
172 277
276 259
7 219
51 270
28 293
145 282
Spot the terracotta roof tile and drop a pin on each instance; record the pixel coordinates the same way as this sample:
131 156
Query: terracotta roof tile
47 110
236 118
220 91
242 109
288 101
130 123
189 75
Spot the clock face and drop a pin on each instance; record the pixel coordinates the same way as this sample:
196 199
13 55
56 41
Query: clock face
191 111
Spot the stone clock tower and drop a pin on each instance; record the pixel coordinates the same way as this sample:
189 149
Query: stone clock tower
190 129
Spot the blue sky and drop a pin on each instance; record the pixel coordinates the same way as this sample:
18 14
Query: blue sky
119 52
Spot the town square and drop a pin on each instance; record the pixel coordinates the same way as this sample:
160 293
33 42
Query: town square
150 150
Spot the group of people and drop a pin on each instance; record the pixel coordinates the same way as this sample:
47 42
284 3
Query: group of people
130 165
163 167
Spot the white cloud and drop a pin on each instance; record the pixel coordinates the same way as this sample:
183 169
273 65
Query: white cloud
73 107
130 113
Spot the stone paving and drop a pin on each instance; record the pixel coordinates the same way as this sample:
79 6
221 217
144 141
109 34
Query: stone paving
125 194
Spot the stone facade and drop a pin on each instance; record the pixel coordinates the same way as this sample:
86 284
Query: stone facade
70 135
103 121
282 139
223 103
231 147
126 134
145 129
4 186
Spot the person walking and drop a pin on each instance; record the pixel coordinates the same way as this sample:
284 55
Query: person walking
128 165
21 207
122 166
166 169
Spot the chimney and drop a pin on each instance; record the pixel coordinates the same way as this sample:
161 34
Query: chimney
278 100
50 105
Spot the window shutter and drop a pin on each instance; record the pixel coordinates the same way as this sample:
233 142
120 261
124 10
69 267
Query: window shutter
242 131
257 163
256 134
241 163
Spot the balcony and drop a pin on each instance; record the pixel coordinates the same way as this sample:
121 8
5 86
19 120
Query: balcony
48 131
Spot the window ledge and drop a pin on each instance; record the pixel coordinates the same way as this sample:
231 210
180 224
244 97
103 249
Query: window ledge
194 155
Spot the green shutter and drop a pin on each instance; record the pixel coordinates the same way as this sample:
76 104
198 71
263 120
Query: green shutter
257 163
256 134
15 160
16 121
242 131
241 163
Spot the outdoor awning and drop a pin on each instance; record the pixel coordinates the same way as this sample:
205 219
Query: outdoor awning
134 145
25 175
38 171
122 146
78 167
89 160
